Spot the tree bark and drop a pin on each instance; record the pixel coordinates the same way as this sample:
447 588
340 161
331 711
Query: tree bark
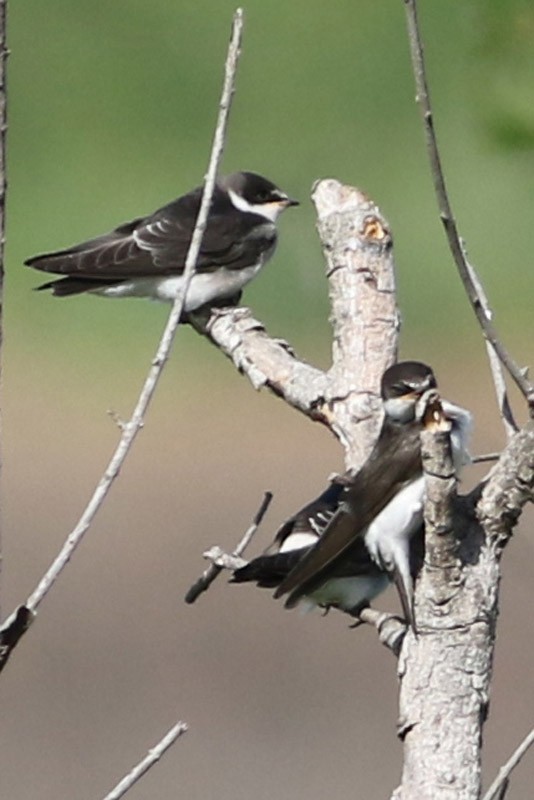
3 187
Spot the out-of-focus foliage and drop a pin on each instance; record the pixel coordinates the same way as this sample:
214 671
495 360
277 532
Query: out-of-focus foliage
504 59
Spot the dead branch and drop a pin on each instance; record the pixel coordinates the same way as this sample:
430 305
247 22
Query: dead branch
508 486
266 362
209 575
143 766
499 786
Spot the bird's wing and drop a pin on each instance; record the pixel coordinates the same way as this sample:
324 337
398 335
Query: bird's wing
394 462
269 570
158 244
310 521
293 539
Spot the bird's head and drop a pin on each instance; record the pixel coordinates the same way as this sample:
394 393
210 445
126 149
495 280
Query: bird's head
403 385
254 194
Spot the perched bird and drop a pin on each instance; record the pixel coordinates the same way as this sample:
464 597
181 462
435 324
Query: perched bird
146 257
352 585
344 548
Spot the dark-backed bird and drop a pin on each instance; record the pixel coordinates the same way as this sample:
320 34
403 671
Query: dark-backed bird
146 257
343 548
354 583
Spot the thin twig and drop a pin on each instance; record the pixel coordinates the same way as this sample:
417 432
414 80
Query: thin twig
449 222
132 427
498 788
484 457
143 766
510 425
3 181
209 575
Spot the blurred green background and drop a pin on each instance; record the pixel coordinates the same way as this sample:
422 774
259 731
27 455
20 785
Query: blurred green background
111 114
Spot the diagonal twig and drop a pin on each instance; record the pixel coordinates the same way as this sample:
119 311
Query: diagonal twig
154 754
132 427
484 457
209 575
499 786
447 217
510 425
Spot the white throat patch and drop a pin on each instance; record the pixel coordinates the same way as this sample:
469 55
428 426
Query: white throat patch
270 211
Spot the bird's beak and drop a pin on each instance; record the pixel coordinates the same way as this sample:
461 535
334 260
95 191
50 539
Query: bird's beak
286 202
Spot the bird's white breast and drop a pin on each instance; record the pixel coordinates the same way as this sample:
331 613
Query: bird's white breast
389 533
204 288
346 593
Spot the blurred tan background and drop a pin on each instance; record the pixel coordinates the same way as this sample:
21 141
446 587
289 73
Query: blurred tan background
112 109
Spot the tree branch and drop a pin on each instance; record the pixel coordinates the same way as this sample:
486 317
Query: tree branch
499 786
358 249
441 570
446 214
3 182
508 486
209 575
265 361
391 630
143 766
510 425
445 671
134 424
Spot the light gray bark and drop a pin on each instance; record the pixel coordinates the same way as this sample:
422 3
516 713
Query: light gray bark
3 182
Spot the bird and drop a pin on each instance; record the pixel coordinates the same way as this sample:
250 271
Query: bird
146 257
365 530
356 581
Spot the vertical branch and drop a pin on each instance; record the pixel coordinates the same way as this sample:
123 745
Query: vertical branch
3 183
510 425
358 249
445 672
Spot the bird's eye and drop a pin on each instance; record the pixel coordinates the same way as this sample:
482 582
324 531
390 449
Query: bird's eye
400 389
264 196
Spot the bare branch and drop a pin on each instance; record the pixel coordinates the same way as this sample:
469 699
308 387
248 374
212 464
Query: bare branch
499 786
447 217
441 566
358 249
3 182
391 630
143 766
509 485
445 670
134 424
265 361
483 457
209 575
510 425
